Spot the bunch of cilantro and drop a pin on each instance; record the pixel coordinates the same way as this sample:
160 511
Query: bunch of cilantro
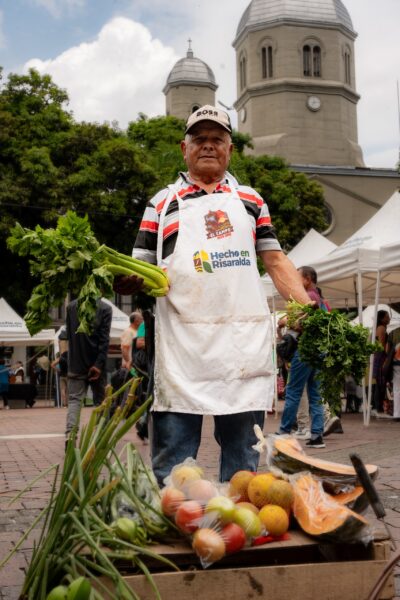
332 345
67 259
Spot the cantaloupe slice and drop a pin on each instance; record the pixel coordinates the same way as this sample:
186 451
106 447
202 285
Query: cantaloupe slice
288 455
322 517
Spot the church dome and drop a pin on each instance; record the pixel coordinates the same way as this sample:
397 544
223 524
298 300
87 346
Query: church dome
190 71
320 12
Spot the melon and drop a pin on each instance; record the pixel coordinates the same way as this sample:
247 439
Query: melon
257 489
275 519
280 492
356 499
238 485
289 456
323 518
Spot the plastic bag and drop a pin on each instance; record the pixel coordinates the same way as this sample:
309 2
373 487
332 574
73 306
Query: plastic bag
218 519
320 516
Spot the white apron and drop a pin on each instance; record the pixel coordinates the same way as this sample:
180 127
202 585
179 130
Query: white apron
213 330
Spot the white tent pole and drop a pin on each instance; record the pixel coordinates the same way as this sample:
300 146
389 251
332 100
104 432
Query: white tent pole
373 336
360 318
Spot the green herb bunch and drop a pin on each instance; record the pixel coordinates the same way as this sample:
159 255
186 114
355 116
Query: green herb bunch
331 344
69 259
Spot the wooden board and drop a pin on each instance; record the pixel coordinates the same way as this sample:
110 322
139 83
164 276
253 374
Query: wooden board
299 569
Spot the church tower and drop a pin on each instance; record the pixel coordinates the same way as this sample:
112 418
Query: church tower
296 89
190 84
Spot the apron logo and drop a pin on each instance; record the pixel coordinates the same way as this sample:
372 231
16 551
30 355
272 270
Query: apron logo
201 262
220 260
217 224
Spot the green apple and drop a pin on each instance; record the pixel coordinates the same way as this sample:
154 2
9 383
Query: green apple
221 508
248 521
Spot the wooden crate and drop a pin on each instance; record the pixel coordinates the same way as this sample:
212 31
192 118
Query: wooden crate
297 569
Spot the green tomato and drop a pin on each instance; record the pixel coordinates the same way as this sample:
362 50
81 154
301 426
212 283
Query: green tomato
57 593
79 589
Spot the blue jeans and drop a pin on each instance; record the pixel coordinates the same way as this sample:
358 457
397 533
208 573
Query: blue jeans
301 375
176 436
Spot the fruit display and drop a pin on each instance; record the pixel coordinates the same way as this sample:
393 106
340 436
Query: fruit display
222 519
324 518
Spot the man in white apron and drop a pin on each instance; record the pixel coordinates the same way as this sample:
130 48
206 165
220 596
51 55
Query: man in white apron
213 330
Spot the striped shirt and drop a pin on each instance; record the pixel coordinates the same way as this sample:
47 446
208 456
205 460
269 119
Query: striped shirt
146 241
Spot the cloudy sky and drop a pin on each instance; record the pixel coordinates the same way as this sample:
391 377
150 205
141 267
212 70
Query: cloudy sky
113 56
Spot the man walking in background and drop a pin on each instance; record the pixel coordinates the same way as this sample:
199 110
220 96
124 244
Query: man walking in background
87 355
127 337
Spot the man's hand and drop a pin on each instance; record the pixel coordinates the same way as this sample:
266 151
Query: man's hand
127 285
94 373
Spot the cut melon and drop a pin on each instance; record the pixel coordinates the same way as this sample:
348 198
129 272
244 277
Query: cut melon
288 455
324 518
356 499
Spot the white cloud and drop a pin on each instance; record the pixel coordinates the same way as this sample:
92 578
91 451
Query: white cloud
2 35
118 75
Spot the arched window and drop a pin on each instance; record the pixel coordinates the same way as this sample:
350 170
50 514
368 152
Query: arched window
347 67
312 60
267 62
307 61
242 72
317 61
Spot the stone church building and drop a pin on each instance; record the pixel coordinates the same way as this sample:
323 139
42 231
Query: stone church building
297 98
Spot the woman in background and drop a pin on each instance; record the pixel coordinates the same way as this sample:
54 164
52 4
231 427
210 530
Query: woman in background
379 391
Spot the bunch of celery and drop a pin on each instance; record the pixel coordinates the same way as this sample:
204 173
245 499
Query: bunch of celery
69 259
80 538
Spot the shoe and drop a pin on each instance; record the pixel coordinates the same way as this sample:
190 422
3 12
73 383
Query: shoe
303 434
7 407
316 443
331 425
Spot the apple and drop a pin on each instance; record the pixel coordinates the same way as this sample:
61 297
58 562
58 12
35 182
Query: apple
188 516
249 521
201 490
208 545
220 508
234 537
182 475
171 499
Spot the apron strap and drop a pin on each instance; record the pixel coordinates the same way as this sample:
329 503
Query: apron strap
172 191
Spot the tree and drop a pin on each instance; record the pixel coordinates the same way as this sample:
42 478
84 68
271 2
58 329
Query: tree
49 163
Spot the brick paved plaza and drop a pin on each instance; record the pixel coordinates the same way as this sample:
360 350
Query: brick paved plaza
32 439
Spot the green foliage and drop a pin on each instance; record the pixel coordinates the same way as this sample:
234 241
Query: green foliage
49 164
332 345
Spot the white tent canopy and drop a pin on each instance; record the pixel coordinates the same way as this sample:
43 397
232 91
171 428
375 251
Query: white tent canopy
311 246
14 332
348 274
368 317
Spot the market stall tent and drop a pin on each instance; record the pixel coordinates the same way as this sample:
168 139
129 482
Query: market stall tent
348 275
369 316
14 332
312 245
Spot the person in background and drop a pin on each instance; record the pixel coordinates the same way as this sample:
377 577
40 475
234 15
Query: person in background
393 353
43 366
87 355
127 337
379 389
302 376
4 382
213 345
19 372
60 365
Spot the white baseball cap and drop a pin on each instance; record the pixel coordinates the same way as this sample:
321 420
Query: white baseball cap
209 113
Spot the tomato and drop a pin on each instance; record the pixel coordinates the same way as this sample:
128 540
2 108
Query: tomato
234 537
188 516
171 499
